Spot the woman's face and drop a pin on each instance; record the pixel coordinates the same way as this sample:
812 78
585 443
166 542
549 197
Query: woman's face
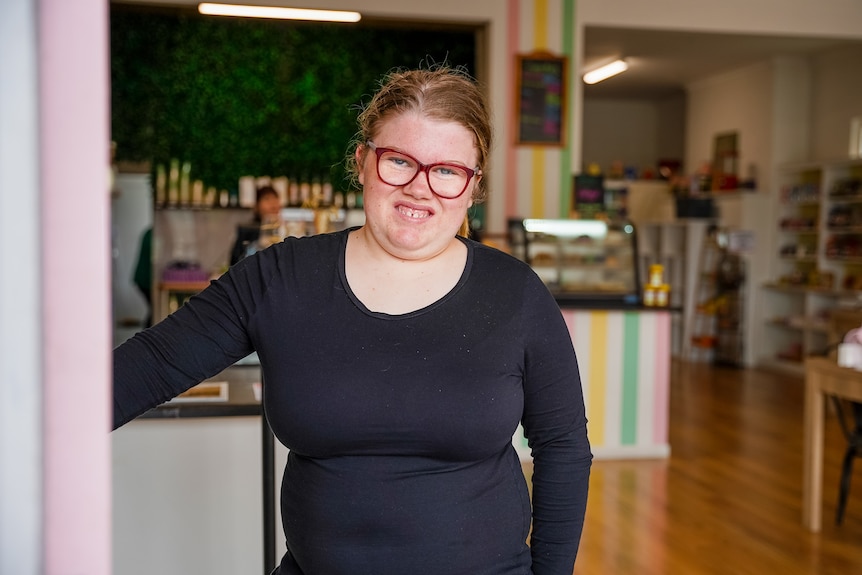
411 222
268 207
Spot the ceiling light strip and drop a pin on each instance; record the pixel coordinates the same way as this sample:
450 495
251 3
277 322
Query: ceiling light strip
244 11
605 72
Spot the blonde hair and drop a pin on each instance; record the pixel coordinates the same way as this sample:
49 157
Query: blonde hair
464 230
439 92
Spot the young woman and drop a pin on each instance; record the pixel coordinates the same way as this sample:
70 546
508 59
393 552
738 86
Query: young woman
267 207
399 359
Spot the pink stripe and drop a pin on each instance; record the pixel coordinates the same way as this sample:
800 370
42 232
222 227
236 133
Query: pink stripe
569 317
662 378
511 189
74 114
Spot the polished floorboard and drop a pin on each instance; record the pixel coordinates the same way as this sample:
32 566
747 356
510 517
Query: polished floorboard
728 500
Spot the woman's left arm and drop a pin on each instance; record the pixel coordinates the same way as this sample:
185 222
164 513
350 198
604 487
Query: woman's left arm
555 425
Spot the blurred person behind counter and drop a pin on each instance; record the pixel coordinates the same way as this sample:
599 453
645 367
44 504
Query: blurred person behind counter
399 358
267 210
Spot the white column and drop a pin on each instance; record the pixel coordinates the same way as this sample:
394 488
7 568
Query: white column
20 354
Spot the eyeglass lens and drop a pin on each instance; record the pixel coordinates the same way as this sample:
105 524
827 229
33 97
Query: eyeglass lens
445 180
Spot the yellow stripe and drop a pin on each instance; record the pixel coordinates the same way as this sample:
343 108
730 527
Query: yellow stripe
598 375
540 42
540 24
538 195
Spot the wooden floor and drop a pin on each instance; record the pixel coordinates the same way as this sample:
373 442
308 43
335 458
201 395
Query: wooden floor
728 500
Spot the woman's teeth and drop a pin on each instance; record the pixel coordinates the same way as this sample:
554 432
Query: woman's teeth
415 214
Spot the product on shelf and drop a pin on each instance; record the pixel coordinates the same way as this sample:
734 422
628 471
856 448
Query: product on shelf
845 187
656 291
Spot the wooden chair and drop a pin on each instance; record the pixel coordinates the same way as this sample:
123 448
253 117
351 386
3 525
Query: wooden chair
849 412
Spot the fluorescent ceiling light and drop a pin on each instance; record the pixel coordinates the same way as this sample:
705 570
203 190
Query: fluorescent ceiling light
277 12
605 72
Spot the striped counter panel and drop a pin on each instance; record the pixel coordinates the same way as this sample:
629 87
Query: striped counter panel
624 360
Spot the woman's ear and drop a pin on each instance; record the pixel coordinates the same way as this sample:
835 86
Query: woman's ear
473 190
358 155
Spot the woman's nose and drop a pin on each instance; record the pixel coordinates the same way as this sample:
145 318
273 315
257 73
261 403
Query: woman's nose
420 187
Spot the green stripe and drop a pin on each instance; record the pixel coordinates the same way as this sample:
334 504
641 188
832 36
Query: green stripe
629 415
566 181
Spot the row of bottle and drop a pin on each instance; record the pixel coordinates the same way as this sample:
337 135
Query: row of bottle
174 188
303 192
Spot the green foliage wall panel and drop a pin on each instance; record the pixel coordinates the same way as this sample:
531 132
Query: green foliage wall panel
254 97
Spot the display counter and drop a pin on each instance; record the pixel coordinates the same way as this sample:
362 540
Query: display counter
194 485
583 262
624 359
623 347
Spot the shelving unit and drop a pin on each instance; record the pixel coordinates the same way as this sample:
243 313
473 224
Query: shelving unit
704 331
730 320
677 247
818 264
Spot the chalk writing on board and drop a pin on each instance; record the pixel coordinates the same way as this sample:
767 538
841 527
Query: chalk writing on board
541 105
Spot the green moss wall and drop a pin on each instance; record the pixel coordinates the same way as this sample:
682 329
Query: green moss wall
254 97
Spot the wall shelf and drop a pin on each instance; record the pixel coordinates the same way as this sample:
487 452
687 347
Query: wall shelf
805 289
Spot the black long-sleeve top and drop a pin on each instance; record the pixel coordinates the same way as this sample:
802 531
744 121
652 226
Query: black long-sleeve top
399 426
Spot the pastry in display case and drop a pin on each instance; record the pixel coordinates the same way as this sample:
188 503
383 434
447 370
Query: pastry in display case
581 261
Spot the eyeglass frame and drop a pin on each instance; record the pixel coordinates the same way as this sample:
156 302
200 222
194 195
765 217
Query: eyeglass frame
379 151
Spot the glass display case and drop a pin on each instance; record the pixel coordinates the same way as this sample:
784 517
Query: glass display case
581 261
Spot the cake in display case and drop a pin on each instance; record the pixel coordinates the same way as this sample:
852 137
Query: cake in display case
581 261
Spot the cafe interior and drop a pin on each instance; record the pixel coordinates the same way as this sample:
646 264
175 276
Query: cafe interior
721 166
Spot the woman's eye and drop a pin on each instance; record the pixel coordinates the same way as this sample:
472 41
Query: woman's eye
400 162
447 171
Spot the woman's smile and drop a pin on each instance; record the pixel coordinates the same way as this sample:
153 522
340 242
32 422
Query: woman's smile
414 213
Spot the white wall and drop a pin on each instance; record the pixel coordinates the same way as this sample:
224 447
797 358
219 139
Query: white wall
739 101
837 97
21 397
631 131
131 215
828 18
671 113
638 132
624 130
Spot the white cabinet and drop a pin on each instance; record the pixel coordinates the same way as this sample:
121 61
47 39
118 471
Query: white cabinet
817 266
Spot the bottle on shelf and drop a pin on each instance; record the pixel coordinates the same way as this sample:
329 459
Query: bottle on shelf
328 197
185 184
174 184
304 189
161 186
293 199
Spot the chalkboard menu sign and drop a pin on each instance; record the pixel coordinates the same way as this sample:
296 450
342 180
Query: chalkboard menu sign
540 99
589 196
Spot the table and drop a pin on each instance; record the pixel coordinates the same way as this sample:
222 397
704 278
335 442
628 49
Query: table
822 376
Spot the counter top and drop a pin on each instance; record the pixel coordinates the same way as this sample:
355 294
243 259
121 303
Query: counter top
578 302
241 400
